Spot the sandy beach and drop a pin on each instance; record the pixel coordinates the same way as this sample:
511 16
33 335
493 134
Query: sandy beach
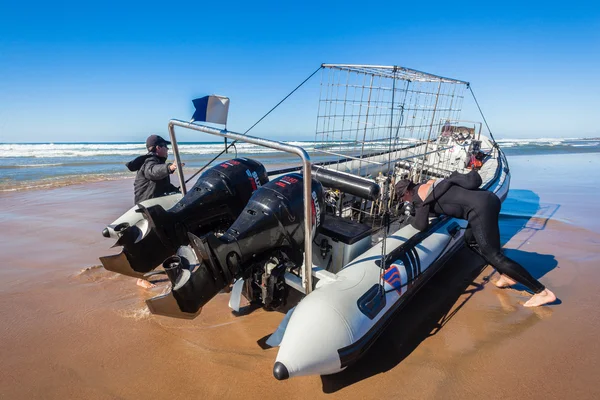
96 95
70 329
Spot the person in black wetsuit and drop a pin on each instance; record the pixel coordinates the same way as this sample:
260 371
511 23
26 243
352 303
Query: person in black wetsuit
459 196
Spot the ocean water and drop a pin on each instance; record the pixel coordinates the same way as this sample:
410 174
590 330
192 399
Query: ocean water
43 165
563 187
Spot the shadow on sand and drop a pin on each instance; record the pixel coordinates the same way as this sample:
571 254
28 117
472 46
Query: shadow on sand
436 303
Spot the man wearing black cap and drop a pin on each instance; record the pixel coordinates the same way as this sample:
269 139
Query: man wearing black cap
152 179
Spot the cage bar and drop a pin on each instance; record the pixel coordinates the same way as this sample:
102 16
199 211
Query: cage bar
370 109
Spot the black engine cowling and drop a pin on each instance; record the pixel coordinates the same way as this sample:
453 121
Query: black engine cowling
214 202
272 222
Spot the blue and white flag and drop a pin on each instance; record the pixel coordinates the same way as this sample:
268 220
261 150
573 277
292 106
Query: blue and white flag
211 109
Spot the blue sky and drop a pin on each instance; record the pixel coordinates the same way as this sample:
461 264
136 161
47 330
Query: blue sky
118 71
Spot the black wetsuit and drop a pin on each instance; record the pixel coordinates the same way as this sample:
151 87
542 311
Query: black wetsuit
459 196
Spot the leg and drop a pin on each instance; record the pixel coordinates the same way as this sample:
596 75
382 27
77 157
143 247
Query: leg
484 223
469 237
504 280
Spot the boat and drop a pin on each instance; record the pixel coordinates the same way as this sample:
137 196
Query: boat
333 231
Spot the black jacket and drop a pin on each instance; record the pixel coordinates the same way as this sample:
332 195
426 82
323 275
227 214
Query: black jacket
152 179
470 181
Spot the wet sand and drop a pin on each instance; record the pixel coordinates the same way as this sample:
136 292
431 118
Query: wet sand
71 332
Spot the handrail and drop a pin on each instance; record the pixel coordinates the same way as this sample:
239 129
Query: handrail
288 148
177 158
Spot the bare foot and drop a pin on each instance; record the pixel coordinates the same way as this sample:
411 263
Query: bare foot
145 284
540 299
504 282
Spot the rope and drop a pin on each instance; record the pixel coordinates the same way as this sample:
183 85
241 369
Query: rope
481 112
501 153
256 123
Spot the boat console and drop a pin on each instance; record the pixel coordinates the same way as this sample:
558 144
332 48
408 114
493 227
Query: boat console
339 241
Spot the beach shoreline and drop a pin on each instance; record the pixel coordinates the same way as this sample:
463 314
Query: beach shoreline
73 330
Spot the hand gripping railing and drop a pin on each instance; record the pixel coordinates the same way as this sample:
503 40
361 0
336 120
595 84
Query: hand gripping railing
297 150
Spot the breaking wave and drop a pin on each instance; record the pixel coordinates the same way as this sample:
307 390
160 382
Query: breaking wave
82 150
26 166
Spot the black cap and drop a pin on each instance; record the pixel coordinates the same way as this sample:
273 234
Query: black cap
155 140
402 186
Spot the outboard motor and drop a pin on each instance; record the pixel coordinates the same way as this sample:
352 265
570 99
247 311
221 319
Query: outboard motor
267 237
214 202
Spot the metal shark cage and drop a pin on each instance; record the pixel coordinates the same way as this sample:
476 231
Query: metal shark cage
368 109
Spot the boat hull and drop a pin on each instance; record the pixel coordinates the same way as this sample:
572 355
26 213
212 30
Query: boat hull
342 327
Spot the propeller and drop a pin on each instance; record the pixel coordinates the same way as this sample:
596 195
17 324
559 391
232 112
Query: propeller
236 295
120 264
178 269
166 305
155 216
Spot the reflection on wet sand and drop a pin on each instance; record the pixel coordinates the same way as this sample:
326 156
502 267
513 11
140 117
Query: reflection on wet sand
68 333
